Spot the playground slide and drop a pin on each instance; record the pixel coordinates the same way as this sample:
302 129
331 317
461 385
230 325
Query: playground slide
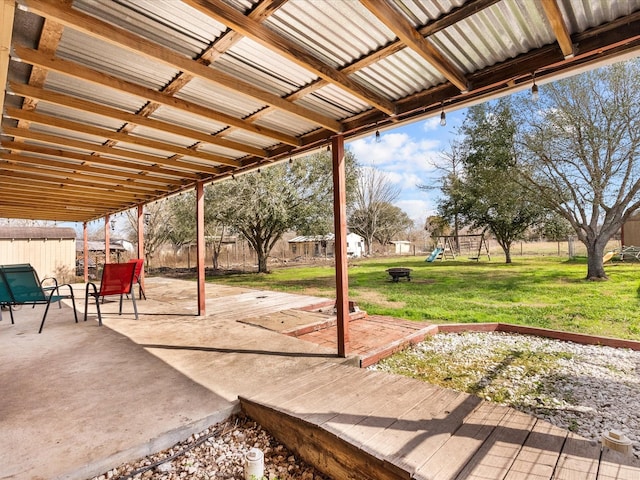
434 255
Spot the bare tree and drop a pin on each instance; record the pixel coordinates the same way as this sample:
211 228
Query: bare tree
374 191
581 155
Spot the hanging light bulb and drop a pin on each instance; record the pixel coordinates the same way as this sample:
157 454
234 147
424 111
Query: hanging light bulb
377 134
443 117
534 89
290 160
535 94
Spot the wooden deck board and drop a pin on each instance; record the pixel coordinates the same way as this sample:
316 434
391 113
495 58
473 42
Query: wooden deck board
614 465
497 454
459 448
579 459
539 455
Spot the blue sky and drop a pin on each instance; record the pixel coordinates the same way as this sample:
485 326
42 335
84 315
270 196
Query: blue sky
407 154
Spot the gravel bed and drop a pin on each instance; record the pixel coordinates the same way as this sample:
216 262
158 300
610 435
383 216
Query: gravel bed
218 453
587 389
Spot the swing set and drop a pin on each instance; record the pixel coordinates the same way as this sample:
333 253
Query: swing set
474 244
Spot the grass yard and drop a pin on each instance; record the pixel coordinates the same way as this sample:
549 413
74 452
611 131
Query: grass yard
547 292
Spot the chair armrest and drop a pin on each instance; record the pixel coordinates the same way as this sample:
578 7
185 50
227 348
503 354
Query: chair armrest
95 290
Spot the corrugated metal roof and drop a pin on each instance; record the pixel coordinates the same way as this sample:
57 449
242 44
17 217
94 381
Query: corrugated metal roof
91 52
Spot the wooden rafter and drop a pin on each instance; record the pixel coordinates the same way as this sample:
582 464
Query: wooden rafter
95 164
234 19
559 26
114 113
7 11
416 41
55 122
149 168
117 36
78 71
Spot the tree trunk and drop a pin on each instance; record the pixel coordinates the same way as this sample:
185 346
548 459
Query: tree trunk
262 261
595 267
507 253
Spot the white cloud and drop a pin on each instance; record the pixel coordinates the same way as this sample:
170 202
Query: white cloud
416 209
431 124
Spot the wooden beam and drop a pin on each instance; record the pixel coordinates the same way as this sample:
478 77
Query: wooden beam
559 26
237 21
140 223
114 113
200 249
48 167
340 227
414 40
114 35
7 12
78 162
118 193
81 72
57 122
48 43
139 162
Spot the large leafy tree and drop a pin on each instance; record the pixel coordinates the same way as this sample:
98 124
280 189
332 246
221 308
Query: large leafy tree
489 193
373 194
263 205
581 153
393 222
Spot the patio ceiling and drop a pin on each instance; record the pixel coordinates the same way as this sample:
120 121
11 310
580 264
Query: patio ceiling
112 104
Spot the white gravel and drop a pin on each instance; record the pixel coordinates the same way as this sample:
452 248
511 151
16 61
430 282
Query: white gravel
587 389
218 453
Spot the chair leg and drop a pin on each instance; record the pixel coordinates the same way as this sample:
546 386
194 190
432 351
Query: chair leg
44 317
141 292
135 307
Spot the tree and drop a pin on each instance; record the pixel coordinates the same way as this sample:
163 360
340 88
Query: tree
581 153
393 221
437 226
157 228
450 168
374 191
489 194
264 205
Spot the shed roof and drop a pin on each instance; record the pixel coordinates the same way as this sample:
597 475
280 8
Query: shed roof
37 233
108 105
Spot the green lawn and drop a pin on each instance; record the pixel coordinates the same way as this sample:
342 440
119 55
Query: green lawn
544 292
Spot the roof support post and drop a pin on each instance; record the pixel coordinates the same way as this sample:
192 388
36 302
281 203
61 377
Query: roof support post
140 221
200 247
340 226
85 251
107 239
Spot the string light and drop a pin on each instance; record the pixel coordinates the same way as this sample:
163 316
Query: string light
377 134
443 117
535 94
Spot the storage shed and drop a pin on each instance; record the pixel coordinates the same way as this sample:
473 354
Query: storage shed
51 250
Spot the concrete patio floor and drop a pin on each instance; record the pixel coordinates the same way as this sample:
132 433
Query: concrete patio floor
79 399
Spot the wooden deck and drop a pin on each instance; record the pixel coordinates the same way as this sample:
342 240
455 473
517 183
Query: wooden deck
354 423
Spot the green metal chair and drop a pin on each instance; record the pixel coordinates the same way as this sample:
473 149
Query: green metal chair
20 285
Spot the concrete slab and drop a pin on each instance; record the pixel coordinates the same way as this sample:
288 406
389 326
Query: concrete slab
79 399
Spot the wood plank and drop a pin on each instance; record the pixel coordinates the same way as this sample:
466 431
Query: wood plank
540 453
421 432
579 459
458 450
386 414
309 381
615 465
369 404
494 459
326 451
